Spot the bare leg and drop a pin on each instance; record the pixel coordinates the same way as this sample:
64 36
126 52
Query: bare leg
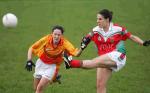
101 61
35 84
42 84
103 75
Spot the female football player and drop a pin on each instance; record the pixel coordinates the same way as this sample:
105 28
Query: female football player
109 39
49 49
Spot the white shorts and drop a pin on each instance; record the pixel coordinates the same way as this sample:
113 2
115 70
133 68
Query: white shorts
44 70
119 58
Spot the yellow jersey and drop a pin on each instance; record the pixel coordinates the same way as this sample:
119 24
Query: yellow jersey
49 54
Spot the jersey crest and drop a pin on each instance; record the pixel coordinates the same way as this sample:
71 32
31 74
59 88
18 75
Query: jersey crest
99 38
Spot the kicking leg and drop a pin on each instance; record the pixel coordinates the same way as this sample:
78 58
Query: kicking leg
102 61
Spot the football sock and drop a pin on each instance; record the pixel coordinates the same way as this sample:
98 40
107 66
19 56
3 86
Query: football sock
76 64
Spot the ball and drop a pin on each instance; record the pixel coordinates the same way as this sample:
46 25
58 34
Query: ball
10 20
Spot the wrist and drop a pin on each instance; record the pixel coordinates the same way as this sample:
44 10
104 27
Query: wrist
29 59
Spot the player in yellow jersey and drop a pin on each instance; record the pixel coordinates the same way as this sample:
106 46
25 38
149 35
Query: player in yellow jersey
49 49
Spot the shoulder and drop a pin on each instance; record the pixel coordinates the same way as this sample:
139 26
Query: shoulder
116 26
64 40
96 28
46 36
121 29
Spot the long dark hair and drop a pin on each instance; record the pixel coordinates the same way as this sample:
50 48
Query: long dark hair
106 14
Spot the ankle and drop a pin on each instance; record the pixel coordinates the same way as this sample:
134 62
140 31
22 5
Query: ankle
76 63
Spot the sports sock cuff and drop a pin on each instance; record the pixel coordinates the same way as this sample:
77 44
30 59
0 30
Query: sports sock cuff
76 64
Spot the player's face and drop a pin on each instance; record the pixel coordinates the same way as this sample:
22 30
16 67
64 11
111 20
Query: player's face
101 21
56 35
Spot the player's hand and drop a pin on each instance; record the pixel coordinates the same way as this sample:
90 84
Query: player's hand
85 41
146 43
29 65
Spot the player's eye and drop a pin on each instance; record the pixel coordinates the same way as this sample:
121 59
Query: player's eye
57 34
100 19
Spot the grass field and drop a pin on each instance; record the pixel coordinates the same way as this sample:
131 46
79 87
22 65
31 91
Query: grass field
36 17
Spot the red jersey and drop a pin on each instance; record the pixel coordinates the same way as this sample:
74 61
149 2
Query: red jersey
110 40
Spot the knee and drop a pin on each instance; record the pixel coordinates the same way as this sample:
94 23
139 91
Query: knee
101 85
39 88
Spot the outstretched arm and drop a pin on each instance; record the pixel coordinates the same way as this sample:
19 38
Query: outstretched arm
136 39
79 52
140 41
86 40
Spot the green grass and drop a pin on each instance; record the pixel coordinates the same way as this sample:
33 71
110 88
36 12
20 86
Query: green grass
36 17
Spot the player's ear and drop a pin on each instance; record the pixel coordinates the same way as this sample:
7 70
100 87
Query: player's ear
107 20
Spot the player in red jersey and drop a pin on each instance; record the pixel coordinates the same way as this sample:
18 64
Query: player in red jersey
109 39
